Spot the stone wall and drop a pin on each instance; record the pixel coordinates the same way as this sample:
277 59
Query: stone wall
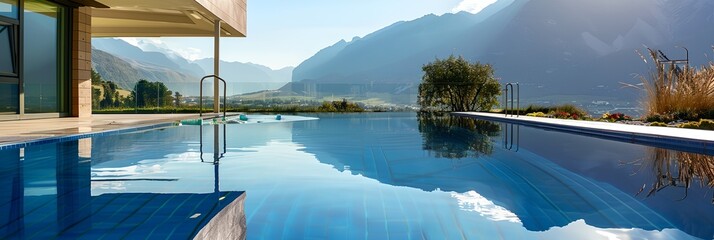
81 101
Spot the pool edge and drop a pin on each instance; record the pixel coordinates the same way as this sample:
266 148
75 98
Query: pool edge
70 137
657 140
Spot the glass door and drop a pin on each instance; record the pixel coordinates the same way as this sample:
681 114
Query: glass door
40 72
9 81
45 77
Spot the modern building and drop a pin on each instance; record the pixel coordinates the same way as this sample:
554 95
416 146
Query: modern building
45 45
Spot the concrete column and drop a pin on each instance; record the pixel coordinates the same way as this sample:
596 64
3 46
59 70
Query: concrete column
216 63
81 86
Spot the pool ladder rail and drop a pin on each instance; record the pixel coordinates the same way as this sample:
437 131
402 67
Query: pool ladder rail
511 132
511 136
514 91
200 98
217 154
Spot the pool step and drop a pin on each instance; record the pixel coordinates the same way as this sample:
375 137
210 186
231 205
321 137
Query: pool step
600 204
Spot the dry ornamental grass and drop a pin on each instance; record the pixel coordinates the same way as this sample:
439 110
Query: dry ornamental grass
680 93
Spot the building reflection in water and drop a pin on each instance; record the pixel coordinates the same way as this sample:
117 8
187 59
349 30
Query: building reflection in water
46 192
11 193
74 192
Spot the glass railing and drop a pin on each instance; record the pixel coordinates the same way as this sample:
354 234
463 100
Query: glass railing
182 97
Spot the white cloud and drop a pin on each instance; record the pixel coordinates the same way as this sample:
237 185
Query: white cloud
472 6
131 40
146 44
152 45
190 53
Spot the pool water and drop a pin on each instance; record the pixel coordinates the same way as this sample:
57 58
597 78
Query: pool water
361 176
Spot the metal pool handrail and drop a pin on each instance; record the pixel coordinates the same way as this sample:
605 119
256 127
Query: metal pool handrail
517 91
200 98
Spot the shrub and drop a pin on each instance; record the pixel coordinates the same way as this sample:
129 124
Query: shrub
566 115
536 114
614 117
544 111
537 108
686 115
659 118
568 111
658 124
340 106
690 125
571 109
704 124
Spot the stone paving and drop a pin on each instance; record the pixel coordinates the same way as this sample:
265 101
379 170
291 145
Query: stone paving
26 130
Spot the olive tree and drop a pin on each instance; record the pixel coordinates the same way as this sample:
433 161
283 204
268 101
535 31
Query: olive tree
454 84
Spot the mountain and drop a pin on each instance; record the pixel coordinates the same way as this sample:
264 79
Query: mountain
114 69
391 46
553 48
122 49
124 63
127 72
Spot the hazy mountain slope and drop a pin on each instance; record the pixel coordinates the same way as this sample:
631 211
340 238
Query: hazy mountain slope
122 49
114 69
126 73
320 58
187 65
393 47
692 25
573 47
385 48
126 64
551 47
248 76
282 75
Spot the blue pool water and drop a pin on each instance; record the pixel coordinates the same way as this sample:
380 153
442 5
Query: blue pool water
357 176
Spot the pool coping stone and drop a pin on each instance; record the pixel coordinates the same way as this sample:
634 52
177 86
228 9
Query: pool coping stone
701 141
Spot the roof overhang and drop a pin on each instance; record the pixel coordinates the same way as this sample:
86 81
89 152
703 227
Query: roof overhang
167 18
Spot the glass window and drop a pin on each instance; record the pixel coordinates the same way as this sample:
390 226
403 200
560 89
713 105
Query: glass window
40 68
8 8
7 65
9 98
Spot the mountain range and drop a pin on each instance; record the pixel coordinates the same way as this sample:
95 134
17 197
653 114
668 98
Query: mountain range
123 63
552 48
558 50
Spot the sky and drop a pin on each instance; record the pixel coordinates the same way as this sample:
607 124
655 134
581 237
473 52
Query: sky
285 33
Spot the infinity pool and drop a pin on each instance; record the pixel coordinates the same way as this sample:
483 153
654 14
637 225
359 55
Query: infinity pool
357 176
